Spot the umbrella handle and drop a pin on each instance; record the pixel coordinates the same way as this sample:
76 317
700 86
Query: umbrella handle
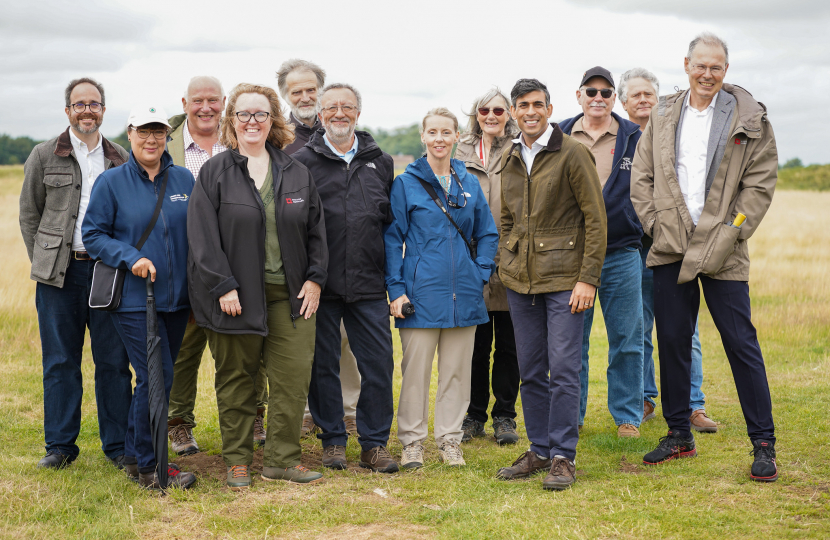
149 286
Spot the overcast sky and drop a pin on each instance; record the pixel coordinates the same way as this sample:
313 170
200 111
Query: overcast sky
407 57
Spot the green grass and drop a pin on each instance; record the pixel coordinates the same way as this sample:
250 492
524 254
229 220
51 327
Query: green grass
615 496
810 178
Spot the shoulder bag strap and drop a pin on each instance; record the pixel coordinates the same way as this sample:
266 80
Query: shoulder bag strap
155 217
429 189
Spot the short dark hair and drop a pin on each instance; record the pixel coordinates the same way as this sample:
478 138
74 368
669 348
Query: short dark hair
75 82
526 86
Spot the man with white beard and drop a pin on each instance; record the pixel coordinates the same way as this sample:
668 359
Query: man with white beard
299 81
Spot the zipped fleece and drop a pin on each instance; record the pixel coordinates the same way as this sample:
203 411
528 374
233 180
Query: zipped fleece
624 229
356 201
744 182
120 207
553 222
226 226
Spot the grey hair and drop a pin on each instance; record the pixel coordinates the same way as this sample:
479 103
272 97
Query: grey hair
637 73
474 128
526 86
201 79
75 82
339 86
708 38
295 64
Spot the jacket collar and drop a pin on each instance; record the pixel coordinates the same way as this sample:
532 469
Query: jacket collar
302 127
556 138
366 146
64 147
278 157
166 162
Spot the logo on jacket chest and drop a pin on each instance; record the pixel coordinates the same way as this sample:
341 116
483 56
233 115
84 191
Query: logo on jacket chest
289 200
180 197
625 164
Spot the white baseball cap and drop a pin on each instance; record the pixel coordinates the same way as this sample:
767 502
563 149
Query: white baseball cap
147 114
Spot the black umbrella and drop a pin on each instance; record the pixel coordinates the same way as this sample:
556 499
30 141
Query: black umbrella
157 395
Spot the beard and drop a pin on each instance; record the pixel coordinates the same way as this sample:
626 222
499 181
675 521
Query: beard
304 113
338 134
77 124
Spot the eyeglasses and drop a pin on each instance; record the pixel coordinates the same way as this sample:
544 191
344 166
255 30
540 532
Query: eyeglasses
158 134
245 116
347 109
484 111
81 107
700 69
605 92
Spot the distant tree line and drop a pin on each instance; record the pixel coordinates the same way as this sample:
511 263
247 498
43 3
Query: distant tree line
15 150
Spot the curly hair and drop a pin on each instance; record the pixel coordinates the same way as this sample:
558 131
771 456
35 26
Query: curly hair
281 133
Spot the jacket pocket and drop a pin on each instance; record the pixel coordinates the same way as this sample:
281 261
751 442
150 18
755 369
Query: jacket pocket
45 254
723 245
668 230
58 190
555 255
509 256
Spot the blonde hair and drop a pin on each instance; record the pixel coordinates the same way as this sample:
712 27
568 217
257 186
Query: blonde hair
281 133
439 111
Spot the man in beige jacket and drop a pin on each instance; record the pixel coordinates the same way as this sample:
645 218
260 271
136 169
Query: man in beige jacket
702 180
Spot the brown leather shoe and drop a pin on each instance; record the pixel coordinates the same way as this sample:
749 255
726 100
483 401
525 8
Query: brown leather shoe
528 463
181 438
259 428
351 426
378 459
628 430
309 427
562 474
334 457
648 411
701 422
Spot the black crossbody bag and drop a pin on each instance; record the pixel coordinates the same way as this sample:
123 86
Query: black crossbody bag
472 245
108 282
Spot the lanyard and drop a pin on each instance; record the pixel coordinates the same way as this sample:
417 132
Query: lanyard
481 151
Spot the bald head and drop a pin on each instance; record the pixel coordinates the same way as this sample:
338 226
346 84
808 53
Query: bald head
203 102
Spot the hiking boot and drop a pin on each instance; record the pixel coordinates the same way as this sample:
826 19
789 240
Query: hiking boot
259 430
412 456
181 439
334 457
132 471
763 468
670 447
504 430
309 427
471 428
176 479
117 462
378 459
239 477
648 411
351 426
628 430
701 422
528 463
297 474
54 460
450 454
562 474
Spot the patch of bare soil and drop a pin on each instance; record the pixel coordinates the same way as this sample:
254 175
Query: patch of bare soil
628 467
373 531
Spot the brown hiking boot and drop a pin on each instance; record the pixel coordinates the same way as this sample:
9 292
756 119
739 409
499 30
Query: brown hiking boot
334 457
628 430
701 422
562 474
378 459
175 479
309 427
528 463
259 428
181 439
351 426
648 411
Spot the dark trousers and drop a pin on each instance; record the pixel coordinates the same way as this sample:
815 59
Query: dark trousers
370 337
675 312
132 328
549 348
505 369
63 315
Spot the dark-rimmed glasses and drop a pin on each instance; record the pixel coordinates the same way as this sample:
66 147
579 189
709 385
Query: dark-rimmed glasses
81 107
484 111
605 92
245 116
158 134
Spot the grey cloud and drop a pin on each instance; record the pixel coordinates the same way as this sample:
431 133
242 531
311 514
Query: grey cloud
719 11
51 19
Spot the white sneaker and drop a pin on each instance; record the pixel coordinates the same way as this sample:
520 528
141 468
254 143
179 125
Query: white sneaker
450 454
412 456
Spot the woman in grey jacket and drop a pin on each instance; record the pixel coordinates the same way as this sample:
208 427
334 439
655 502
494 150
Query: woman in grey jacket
258 261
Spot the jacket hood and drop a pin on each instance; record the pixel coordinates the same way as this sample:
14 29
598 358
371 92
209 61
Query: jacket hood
420 169
365 144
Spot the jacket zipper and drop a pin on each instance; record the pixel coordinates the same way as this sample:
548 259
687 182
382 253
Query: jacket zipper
169 257
258 199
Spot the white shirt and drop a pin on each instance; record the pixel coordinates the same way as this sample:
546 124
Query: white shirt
529 152
350 153
91 163
194 155
691 156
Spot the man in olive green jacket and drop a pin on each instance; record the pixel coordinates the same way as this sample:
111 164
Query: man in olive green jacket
702 180
552 248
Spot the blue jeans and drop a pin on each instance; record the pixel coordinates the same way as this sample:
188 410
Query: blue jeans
63 314
620 296
370 337
132 328
698 399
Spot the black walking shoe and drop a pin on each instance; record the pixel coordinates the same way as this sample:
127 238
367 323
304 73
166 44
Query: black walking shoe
471 428
54 460
671 446
118 462
504 430
763 468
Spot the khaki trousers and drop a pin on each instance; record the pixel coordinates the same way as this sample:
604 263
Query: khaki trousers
349 377
455 354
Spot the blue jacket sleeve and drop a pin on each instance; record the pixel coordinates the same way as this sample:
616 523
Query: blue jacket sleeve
394 234
98 226
486 234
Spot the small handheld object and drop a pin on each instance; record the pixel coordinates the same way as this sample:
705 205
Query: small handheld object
739 220
407 309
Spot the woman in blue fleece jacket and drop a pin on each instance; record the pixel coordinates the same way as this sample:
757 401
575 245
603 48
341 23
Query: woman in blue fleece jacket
120 208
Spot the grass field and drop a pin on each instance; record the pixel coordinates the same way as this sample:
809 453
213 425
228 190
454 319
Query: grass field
615 496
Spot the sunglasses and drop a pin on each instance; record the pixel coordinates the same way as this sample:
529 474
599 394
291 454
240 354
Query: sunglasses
484 111
605 92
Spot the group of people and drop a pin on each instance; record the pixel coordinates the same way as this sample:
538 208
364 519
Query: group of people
285 242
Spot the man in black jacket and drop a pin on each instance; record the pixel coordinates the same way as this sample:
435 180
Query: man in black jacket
353 177
299 82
